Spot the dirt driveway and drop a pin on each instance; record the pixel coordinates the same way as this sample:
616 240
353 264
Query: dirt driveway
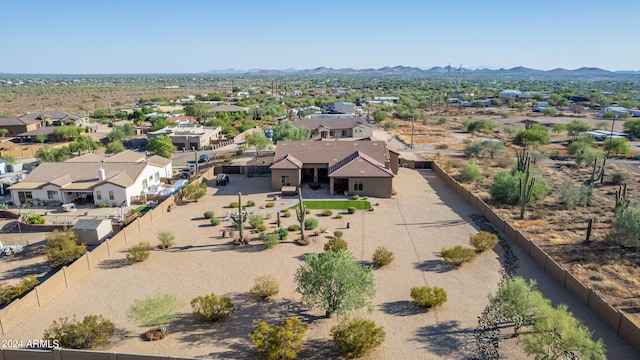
415 226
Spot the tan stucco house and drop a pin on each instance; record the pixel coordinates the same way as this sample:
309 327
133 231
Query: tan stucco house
331 128
349 167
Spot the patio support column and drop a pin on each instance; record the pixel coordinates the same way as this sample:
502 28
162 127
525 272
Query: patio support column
331 186
315 174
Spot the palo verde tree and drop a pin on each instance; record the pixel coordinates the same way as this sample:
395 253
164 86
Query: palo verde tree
162 146
335 282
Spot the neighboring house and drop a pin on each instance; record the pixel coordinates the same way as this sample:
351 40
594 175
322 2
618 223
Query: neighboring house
92 231
112 180
190 136
56 118
182 120
617 110
346 167
343 107
328 128
232 109
17 126
47 131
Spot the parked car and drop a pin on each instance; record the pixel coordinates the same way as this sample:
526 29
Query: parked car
203 158
222 179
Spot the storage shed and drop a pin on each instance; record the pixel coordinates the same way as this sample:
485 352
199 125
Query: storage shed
92 231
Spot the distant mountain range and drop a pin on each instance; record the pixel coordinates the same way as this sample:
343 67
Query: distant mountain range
406 71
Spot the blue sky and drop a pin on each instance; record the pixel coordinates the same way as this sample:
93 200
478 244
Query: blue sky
191 36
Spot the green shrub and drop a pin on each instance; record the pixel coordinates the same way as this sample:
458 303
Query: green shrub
166 238
270 240
310 224
279 342
270 204
471 172
211 308
351 210
33 218
338 234
209 214
458 255
62 248
355 197
294 227
261 228
335 244
251 203
326 212
11 292
234 204
572 196
139 253
283 234
284 210
428 297
215 221
90 333
506 187
339 216
264 287
286 214
255 221
382 256
620 177
483 240
357 337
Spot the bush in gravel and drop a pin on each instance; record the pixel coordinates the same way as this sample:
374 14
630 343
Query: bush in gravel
215 222
458 255
620 177
326 212
294 227
573 196
283 234
154 310
382 256
251 203
264 287
335 244
279 342
166 238
339 216
270 240
90 333
357 337
211 308
351 210
338 234
483 240
62 247
208 214
471 172
234 204
310 224
428 297
255 221
270 204
139 253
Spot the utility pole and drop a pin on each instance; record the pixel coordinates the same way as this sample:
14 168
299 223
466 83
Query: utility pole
413 122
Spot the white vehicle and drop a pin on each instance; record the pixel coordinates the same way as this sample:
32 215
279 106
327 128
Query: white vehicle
8 250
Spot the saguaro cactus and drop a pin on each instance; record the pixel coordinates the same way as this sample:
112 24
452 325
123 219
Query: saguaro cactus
300 213
240 218
527 182
523 160
621 198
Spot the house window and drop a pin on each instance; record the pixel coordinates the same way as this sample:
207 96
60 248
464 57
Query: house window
286 180
157 176
358 185
145 184
98 195
24 196
111 197
52 194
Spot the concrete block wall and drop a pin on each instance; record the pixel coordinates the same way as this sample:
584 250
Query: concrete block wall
615 319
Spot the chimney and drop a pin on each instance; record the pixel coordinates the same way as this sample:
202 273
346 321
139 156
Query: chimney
101 174
387 163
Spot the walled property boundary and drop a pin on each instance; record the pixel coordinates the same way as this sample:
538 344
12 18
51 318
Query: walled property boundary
69 275
617 320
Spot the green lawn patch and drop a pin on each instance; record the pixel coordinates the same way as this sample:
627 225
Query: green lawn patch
335 204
